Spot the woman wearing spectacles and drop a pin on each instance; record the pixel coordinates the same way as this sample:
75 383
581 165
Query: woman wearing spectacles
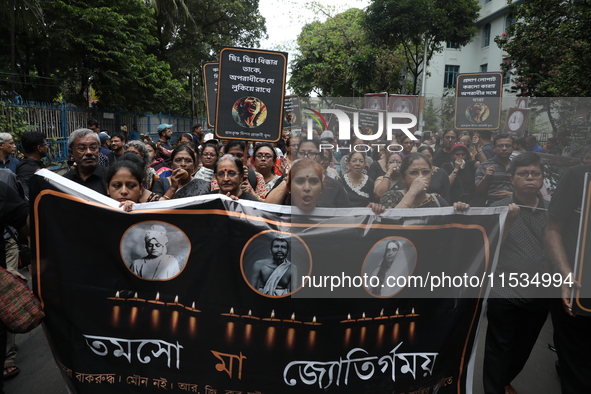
229 174
181 183
264 161
209 156
416 173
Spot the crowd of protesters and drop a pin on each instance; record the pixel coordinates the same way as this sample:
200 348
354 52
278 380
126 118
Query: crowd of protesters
435 170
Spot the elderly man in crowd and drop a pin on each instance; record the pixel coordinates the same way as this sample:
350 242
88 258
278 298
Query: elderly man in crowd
7 149
84 147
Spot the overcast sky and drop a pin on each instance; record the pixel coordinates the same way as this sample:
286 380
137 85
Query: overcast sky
285 19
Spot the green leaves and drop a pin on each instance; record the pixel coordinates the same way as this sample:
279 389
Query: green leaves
337 58
549 48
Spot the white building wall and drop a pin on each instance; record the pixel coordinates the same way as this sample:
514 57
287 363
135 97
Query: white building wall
473 55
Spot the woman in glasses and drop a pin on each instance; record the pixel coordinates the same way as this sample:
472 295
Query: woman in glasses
181 183
264 162
209 156
416 173
229 174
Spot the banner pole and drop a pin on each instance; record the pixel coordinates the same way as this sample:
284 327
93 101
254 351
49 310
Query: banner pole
423 86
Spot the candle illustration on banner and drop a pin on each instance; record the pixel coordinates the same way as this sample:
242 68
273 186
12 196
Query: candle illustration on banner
230 326
156 300
116 315
397 314
292 319
250 316
349 320
231 314
313 322
290 340
381 316
272 318
363 318
270 337
412 313
380 336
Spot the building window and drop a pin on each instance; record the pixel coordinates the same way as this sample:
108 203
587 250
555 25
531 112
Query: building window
451 72
483 68
486 35
506 78
509 21
487 1
453 45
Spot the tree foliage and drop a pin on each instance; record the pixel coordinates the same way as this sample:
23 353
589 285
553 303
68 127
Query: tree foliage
549 48
337 58
411 23
136 55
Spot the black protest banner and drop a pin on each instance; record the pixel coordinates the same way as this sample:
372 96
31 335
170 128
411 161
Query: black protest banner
516 122
371 122
292 113
251 91
581 299
478 101
210 86
169 297
376 101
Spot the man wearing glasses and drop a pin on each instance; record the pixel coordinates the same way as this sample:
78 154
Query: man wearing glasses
7 149
517 314
493 180
84 146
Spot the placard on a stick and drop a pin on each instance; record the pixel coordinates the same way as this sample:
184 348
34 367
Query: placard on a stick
516 122
251 91
210 86
376 101
478 101
292 113
404 104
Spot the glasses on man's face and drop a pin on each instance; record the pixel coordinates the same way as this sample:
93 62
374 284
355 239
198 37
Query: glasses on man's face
230 174
261 157
180 160
501 146
83 148
309 154
209 155
450 137
423 172
525 174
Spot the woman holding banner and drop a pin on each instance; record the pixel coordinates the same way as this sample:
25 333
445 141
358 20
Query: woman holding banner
229 175
416 172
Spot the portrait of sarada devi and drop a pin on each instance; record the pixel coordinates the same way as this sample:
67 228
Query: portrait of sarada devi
267 263
388 259
155 250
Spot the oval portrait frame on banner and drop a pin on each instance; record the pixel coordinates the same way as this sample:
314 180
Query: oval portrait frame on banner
406 253
257 251
155 250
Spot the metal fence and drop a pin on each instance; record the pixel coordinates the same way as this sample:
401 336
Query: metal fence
57 121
